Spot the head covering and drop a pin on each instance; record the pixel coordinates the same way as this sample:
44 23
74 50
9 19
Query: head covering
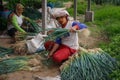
4 3
18 6
50 4
60 13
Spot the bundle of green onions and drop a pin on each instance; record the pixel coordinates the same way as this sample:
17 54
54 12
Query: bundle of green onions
13 64
46 61
22 36
57 33
36 28
88 66
5 51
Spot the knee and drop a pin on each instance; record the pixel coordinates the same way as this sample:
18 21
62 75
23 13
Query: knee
48 45
57 58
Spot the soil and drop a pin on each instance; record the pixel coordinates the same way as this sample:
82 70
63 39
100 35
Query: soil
52 71
44 71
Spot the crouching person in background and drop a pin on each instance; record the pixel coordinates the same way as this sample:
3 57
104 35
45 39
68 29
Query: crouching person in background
15 21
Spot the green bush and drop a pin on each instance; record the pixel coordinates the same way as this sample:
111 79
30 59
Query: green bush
32 13
113 48
81 8
107 12
71 11
108 19
113 29
58 4
3 24
100 2
27 3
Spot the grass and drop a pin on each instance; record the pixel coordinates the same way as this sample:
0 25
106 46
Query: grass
107 12
107 19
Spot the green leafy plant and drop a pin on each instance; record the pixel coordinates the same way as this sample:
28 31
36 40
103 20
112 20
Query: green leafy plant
100 2
27 3
113 48
5 51
88 66
13 64
57 33
3 23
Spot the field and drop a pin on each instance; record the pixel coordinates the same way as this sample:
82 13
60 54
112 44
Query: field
105 34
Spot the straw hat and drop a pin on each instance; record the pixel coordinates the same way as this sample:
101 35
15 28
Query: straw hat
19 6
4 3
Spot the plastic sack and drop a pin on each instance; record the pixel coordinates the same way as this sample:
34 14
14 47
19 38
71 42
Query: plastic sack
36 43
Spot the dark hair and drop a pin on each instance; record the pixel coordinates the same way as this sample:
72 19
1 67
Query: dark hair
62 16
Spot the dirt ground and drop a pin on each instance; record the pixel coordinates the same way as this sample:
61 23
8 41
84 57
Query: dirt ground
45 71
52 71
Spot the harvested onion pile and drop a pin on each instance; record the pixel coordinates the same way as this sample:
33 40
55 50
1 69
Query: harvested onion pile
88 65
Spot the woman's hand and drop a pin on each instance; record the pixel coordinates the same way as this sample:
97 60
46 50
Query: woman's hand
55 47
49 56
74 28
38 21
